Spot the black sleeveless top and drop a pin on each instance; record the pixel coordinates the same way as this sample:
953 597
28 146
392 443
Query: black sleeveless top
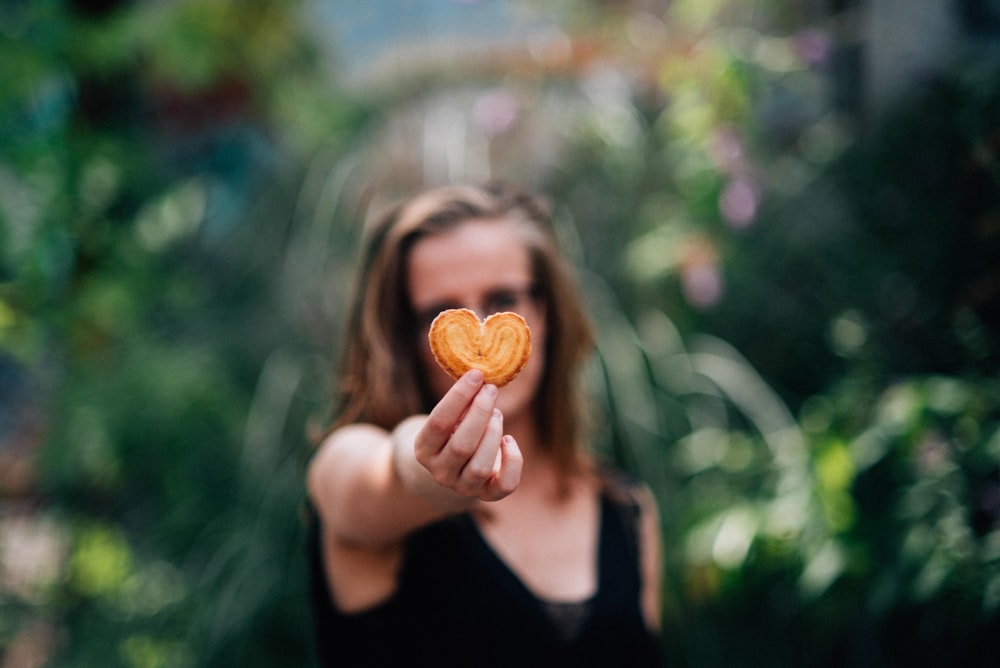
458 604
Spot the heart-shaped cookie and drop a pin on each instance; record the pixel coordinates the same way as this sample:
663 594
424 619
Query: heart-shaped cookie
499 346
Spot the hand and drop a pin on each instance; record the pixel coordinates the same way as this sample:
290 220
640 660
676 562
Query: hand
463 446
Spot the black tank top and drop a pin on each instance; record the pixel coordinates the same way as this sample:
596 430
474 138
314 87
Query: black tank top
458 604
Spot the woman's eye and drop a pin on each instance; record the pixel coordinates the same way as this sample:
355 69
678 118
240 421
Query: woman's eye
502 301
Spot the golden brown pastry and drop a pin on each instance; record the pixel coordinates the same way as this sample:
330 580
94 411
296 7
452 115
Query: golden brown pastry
499 346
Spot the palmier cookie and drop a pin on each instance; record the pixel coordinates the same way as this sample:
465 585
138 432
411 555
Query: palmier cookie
499 346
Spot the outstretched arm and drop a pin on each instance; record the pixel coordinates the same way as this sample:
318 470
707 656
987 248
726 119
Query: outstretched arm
372 487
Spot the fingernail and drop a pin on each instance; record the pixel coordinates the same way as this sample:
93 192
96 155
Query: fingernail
490 390
474 376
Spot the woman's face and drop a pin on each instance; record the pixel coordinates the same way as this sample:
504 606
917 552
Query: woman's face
483 266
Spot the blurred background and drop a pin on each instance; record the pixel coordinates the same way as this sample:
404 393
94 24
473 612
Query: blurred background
785 214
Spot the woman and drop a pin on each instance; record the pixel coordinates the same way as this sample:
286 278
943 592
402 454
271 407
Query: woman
458 524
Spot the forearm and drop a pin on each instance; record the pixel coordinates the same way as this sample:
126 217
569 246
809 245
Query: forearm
362 497
416 479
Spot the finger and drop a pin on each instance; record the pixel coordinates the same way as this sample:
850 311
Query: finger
476 418
440 424
464 442
482 464
508 476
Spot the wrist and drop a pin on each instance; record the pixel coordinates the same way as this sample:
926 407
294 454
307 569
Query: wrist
415 478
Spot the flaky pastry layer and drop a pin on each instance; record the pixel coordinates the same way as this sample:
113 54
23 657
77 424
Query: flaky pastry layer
498 346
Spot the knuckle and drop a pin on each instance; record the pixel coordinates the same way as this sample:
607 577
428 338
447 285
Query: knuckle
481 410
476 471
463 448
437 424
442 477
468 487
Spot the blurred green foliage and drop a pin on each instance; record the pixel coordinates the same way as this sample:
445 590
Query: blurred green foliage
797 308
144 152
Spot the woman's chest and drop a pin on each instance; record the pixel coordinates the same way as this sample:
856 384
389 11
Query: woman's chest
551 549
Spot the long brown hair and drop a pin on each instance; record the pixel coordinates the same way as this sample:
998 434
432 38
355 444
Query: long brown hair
380 379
